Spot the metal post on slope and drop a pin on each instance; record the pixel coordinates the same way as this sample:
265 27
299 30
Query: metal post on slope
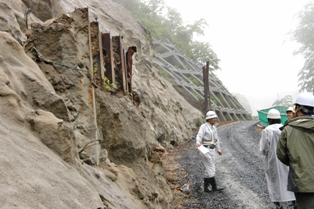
205 92
206 88
208 99
97 145
129 61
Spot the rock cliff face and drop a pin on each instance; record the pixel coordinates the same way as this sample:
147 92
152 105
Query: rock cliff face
66 143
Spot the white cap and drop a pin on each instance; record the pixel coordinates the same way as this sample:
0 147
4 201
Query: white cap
210 114
305 99
273 114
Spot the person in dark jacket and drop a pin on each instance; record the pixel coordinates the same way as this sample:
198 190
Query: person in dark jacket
296 150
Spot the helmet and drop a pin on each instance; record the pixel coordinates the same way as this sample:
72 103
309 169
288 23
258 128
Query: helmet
291 109
305 99
273 114
210 114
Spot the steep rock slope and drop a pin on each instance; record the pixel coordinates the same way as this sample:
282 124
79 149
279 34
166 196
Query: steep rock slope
66 144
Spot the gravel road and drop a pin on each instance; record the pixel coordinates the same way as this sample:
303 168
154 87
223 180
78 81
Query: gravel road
240 170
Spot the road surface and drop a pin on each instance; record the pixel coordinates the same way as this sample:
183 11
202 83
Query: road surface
240 170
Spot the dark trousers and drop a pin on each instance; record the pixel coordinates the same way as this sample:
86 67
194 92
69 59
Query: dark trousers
304 200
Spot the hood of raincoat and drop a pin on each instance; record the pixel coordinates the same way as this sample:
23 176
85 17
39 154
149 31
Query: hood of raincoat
304 123
295 149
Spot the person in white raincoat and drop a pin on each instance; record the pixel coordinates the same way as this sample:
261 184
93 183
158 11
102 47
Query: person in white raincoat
276 172
207 138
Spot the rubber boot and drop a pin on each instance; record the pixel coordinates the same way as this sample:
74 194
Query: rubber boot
206 184
212 181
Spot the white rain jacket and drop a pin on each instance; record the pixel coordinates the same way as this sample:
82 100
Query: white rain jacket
206 133
276 172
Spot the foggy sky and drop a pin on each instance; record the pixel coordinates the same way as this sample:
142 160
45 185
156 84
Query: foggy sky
251 40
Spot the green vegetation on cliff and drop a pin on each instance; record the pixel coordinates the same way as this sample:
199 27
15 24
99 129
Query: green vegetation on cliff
165 23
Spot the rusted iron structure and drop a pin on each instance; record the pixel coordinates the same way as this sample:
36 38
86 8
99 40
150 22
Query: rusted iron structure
187 76
206 88
129 63
107 52
108 61
106 65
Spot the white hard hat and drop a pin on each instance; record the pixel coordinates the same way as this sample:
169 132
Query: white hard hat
273 114
210 114
305 99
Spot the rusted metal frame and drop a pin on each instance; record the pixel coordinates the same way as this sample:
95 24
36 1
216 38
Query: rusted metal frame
126 81
128 72
207 77
101 57
206 88
122 59
107 51
129 61
97 79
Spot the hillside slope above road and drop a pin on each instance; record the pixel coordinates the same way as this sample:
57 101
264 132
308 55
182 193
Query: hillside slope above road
240 170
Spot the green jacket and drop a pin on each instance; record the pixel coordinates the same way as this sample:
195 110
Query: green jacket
296 149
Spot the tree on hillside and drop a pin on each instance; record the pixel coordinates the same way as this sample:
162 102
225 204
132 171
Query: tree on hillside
166 23
286 101
303 34
156 7
244 102
173 20
203 52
